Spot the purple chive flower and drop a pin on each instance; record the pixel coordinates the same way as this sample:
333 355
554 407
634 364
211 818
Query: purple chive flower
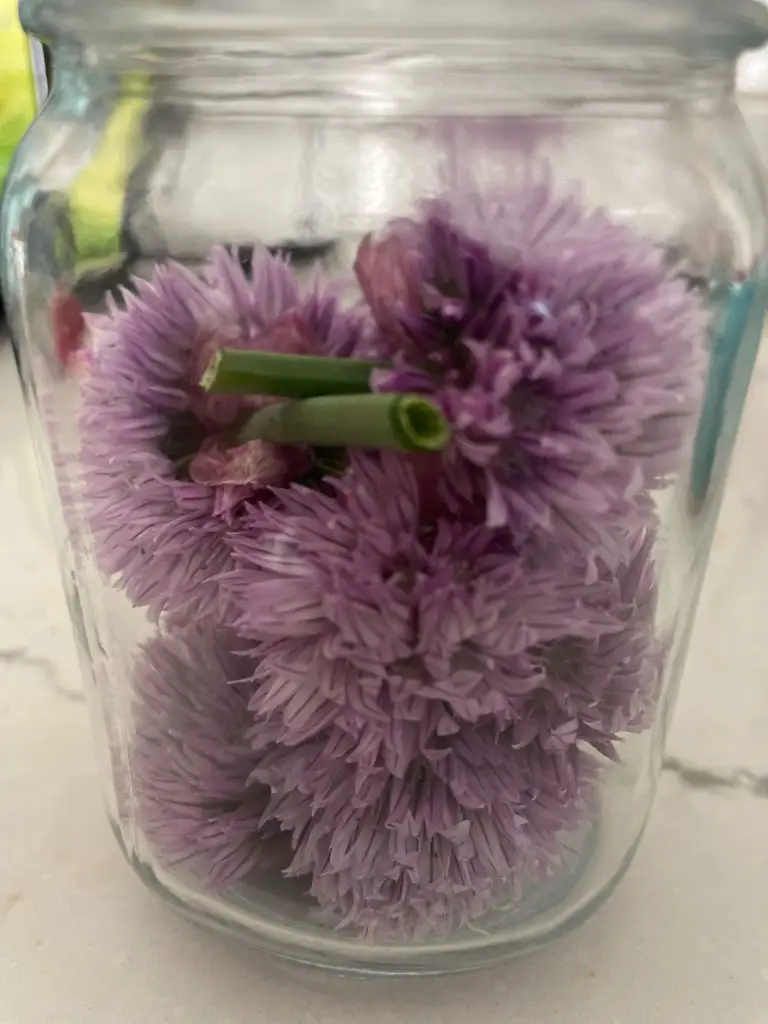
424 695
567 358
190 763
591 691
430 848
362 614
162 490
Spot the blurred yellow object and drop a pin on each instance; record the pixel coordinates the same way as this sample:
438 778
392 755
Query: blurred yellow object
94 204
18 96
97 197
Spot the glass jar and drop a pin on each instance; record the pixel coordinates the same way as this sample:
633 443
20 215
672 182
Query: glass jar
385 361
752 90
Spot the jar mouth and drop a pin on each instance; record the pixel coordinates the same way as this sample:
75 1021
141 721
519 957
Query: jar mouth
702 27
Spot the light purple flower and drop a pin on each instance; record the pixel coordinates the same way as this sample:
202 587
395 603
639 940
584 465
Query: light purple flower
159 531
567 358
363 613
592 691
430 848
424 696
190 763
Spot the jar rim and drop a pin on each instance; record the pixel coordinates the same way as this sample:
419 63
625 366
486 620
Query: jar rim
693 27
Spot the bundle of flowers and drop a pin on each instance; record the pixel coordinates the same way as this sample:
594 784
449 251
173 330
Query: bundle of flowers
397 534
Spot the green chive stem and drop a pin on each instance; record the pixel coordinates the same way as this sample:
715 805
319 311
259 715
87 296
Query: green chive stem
408 423
250 372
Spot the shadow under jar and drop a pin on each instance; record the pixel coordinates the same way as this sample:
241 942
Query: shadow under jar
385 363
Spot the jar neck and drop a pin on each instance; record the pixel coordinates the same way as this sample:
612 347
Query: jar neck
471 79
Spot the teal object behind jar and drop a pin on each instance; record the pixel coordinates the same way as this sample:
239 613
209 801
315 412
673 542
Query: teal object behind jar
289 132
736 332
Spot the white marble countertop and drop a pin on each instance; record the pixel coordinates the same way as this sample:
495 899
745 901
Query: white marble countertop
683 941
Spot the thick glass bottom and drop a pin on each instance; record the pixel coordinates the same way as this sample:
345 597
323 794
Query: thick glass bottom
276 916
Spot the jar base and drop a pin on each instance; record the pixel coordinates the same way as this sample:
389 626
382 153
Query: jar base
278 918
